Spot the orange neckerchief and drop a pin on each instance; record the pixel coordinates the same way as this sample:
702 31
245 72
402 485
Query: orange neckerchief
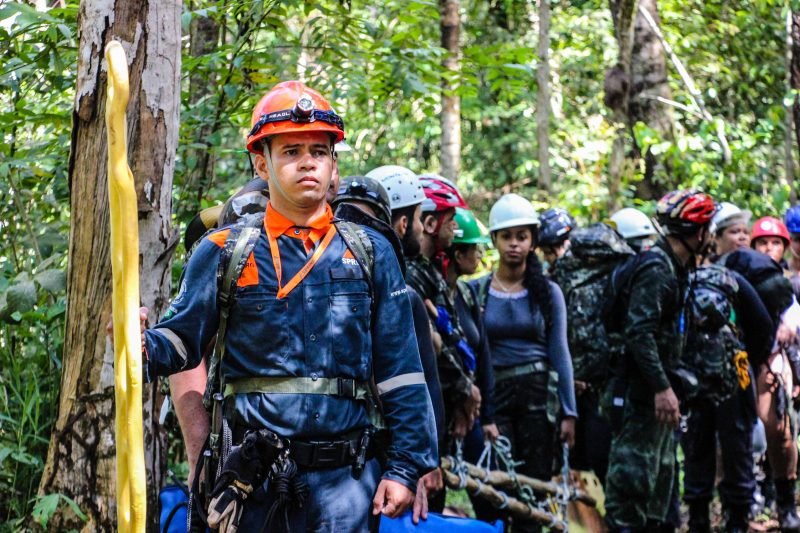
319 227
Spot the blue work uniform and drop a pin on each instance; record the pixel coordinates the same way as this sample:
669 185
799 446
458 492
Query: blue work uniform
324 327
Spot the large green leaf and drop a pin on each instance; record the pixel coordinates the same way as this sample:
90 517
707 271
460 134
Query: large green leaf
21 296
53 280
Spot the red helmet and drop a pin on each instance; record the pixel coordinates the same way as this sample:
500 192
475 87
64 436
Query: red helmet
685 211
292 107
440 194
769 227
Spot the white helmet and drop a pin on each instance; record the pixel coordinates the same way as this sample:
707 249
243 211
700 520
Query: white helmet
510 211
727 215
402 184
632 223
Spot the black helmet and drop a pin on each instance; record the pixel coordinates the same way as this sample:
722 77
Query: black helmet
554 228
367 190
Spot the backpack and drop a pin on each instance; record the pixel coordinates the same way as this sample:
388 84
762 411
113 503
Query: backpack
765 275
713 348
592 275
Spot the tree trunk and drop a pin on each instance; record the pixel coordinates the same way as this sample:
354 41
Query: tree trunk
80 460
649 82
203 39
543 96
789 118
617 93
795 83
451 104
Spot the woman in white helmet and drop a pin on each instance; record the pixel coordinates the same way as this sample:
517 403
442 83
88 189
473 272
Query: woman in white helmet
730 228
636 228
525 321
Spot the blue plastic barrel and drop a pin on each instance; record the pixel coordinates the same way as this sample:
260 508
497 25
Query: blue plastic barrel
173 502
437 523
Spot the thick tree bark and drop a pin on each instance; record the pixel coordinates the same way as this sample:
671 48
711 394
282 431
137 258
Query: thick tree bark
649 83
617 93
789 122
451 103
543 96
203 39
80 461
795 83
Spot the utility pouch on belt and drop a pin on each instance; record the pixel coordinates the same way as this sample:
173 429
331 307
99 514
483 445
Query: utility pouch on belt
684 383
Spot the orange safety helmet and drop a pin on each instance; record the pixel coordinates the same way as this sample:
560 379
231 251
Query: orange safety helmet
292 107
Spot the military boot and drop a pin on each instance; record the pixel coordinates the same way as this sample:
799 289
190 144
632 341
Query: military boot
737 521
787 507
699 521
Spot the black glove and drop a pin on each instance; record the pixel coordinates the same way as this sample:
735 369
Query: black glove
245 469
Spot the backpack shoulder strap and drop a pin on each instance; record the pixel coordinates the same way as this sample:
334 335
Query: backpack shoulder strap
483 291
360 245
238 246
466 294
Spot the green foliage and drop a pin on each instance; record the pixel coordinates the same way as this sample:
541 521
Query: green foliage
37 63
47 505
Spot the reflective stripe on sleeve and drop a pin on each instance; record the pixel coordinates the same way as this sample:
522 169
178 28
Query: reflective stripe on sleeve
413 378
176 341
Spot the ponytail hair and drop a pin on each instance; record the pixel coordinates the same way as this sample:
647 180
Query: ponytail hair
539 290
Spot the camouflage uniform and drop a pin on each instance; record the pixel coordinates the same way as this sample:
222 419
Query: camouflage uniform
424 277
642 463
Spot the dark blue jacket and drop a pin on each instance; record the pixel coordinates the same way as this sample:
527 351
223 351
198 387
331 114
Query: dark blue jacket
323 327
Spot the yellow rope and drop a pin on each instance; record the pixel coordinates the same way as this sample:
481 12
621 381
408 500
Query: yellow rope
131 488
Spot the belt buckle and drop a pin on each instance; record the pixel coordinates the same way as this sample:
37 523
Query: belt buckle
326 454
346 387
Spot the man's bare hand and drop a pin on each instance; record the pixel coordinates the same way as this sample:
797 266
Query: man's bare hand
420 502
472 405
490 432
462 423
391 499
433 480
667 408
143 311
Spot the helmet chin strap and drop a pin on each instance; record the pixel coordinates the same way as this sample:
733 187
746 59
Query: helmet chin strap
700 252
271 168
273 179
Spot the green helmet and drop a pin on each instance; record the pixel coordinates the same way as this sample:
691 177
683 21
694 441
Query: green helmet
470 230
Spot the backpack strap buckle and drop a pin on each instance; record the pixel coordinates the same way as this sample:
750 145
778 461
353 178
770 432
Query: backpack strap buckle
346 388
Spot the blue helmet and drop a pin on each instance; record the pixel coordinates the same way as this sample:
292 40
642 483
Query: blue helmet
556 224
792 219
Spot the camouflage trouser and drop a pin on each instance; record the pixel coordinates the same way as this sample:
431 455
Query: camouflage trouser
641 470
521 415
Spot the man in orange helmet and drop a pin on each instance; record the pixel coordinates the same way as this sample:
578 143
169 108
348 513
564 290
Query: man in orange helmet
311 337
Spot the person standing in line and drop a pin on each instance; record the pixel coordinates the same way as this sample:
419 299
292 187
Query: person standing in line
465 257
524 316
641 471
308 331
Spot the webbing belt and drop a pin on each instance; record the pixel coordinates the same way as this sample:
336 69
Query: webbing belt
520 370
346 388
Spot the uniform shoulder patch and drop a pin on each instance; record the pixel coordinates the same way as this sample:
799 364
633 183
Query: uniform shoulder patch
348 258
219 237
